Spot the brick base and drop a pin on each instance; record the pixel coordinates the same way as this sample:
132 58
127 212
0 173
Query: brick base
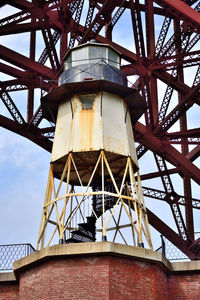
104 275
184 286
93 278
9 291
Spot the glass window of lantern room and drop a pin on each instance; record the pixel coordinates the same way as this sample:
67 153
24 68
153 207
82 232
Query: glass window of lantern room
80 56
97 54
68 62
113 59
87 101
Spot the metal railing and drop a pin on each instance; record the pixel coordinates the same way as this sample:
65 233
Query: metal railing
171 252
11 253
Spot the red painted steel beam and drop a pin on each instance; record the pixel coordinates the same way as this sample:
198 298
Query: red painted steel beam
50 46
185 103
162 196
176 58
195 246
30 100
168 79
165 150
192 156
190 141
26 132
150 44
11 70
193 61
25 63
56 22
170 234
158 174
20 4
157 10
171 197
137 30
164 64
12 108
160 74
52 19
21 28
28 82
14 19
37 117
100 19
150 34
184 133
181 11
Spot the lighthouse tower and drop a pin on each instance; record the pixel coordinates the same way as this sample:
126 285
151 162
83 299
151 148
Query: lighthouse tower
93 190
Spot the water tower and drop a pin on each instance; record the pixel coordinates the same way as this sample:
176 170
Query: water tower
93 190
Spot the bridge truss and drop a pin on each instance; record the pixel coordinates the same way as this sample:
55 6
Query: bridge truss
159 43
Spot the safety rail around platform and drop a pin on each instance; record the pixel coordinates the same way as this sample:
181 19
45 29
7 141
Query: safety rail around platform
11 253
171 252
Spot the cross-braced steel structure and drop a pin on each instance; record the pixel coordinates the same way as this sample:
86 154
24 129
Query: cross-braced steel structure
162 54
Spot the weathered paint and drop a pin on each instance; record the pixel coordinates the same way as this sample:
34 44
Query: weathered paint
63 135
87 126
105 125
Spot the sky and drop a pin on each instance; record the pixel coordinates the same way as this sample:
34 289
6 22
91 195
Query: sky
24 171
24 165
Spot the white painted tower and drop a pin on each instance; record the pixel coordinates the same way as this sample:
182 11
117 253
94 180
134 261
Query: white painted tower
93 153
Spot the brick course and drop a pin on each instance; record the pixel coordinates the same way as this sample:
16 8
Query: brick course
9 291
77 278
184 286
136 280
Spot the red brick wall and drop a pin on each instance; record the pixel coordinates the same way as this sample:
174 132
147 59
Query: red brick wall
8 291
101 277
184 286
136 280
77 278
94 278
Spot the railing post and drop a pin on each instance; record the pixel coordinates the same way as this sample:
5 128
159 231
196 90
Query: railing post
163 245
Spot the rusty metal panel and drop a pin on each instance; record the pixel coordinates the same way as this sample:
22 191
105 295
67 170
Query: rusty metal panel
87 129
63 133
91 122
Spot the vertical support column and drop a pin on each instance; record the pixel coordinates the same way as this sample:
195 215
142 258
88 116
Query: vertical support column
30 103
184 145
103 202
63 46
150 41
108 29
45 214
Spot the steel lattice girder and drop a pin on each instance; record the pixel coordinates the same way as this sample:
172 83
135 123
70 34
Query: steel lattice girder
173 48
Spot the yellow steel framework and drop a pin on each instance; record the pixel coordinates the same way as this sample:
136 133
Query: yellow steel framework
60 211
